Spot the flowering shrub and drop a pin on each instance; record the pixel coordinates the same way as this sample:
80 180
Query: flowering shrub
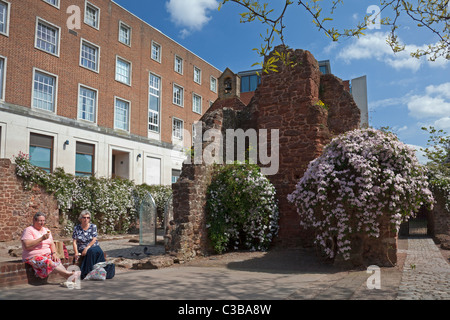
241 209
113 203
361 175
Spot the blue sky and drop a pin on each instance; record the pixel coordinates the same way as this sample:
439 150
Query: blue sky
404 93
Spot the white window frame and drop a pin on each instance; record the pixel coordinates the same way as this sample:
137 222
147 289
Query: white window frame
197 72
181 104
159 106
50 25
97 64
178 66
180 138
80 85
3 79
89 4
211 81
129 113
194 95
129 71
156 44
53 5
55 98
126 26
8 10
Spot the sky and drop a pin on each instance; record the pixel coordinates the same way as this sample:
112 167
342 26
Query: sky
404 93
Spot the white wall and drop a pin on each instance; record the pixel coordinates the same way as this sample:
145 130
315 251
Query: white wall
15 138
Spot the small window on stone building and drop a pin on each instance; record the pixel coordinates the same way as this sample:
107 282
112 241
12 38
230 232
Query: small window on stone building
228 85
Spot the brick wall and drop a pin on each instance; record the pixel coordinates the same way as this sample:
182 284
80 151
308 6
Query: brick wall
22 57
18 206
285 101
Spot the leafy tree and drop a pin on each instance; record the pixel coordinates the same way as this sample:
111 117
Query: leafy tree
432 15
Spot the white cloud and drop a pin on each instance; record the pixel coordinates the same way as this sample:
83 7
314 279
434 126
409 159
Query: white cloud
374 46
191 15
443 123
434 103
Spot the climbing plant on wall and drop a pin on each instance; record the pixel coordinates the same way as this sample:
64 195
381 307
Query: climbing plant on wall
361 176
242 211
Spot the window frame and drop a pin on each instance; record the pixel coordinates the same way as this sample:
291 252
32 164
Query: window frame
194 95
58 37
158 125
128 115
199 75
154 43
181 104
211 84
57 5
129 71
3 78
176 64
123 24
52 148
181 129
85 174
92 45
7 17
95 113
89 4
55 97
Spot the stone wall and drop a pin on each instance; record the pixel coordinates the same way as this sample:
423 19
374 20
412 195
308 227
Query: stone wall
18 206
285 101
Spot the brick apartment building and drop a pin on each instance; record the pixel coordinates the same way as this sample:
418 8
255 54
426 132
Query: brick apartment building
112 96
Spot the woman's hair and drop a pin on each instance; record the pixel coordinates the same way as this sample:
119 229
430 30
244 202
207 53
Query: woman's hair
84 213
37 215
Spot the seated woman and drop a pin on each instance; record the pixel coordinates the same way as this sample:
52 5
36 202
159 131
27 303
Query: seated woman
39 250
85 244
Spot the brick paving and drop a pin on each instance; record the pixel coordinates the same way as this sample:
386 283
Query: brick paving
426 274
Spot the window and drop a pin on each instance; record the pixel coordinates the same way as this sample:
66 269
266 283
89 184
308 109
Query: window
154 103
197 75
87 104
156 52
47 37
178 95
122 115
250 83
54 3
213 84
92 15
44 91
41 151
124 34
84 160
89 57
178 65
2 77
4 18
123 71
196 103
177 129
175 175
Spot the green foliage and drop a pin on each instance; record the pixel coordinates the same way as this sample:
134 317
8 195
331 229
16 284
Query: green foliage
242 212
113 203
438 152
431 15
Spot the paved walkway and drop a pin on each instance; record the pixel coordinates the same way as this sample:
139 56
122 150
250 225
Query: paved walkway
426 275
292 274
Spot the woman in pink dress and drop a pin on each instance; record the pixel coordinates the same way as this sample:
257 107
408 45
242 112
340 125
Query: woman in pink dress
39 250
